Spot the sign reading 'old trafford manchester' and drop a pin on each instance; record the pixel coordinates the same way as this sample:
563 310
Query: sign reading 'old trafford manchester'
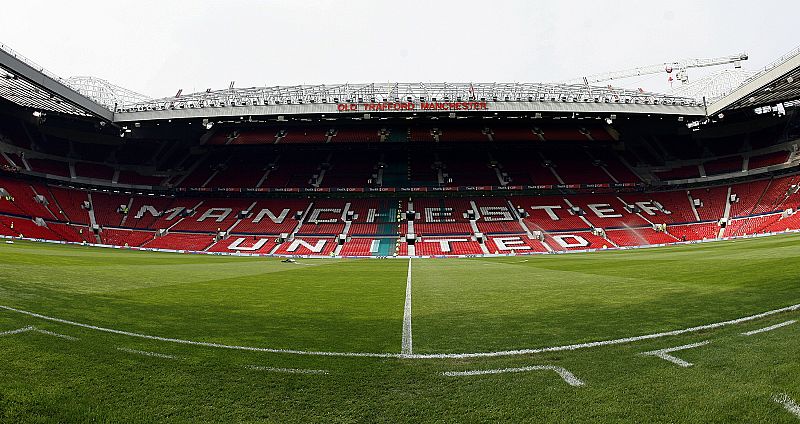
405 106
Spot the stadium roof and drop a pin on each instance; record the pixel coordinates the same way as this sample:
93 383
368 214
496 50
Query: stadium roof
405 97
29 85
777 83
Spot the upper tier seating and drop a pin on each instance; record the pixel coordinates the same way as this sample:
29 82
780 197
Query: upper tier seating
49 166
768 159
93 170
681 173
723 165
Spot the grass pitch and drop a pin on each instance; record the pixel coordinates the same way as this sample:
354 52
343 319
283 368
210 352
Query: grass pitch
72 373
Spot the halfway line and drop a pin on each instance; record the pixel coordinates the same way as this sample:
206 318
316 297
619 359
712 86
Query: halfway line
407 345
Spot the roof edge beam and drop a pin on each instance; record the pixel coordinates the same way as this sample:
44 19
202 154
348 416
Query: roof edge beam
51 85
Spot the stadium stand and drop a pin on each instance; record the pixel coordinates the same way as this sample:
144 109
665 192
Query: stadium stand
768 159
180 241
344 187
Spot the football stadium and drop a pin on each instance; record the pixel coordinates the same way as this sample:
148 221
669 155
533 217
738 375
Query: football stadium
572 251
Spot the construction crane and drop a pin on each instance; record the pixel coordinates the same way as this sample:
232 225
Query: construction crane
678 67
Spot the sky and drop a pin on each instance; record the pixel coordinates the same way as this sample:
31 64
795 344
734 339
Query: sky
158 47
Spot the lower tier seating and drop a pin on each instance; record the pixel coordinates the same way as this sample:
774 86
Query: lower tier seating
377 226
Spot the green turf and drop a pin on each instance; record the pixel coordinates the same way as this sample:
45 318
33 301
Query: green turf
459 305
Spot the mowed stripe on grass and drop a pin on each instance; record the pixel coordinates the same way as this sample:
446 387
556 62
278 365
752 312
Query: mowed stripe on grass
504 304
347 305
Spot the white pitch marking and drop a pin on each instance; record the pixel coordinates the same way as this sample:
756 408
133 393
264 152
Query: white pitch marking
287 370
770 328
787 403
146 353
50 333
418 356
18 331
406 341
37 330
665 353
566 375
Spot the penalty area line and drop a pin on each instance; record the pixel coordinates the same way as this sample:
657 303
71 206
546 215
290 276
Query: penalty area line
146 353
770 328
50 333
287 370
37 330
665 353
17 331
567 376
517 352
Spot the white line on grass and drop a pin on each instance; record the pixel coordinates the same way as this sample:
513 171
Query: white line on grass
417 356
50 333
146 353
665 353
770 328
37 330
407 344
196 343
17 331
787 403
287 370
566 375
